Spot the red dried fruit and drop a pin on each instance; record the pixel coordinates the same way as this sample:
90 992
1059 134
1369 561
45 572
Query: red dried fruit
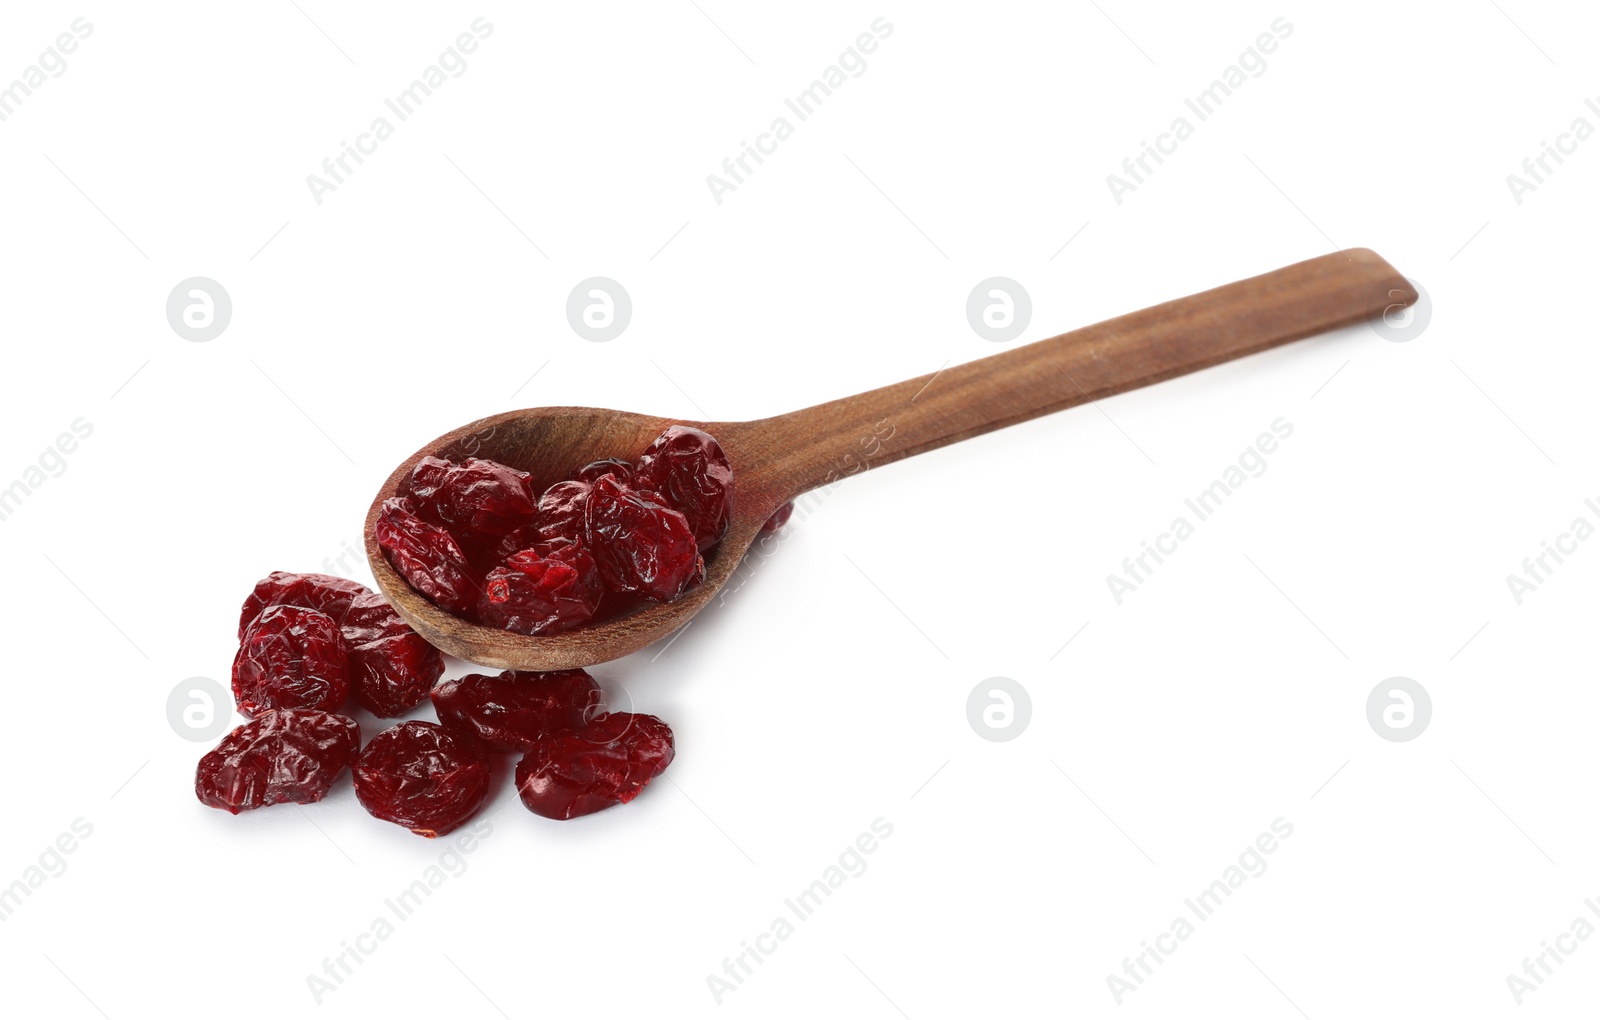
290 658
606 762
322 592
514 710
516 540
561 510
779 518
426 556
550 588
640 544
689 471
391 667
421 776
463 533
621 469
474 497
280 756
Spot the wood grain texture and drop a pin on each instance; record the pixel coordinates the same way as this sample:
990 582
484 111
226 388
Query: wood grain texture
777 459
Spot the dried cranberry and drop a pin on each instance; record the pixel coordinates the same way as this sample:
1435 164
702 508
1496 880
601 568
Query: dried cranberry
514 710
779 518
391 667
561 510
426 556
279 756
421 776
621 469
516 540
322 592
606 762
481 497
689 471
290 658
548 589
640 544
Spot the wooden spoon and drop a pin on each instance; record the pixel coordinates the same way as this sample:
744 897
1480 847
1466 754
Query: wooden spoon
778 459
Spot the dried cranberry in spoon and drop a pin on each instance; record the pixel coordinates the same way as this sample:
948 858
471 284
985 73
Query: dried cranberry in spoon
552 587
687 469
475 498
641 544
427 556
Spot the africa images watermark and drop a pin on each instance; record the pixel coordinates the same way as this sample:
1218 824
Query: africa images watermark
51 863
1537 168
1536 570
851 62
452 63
52 63
851 863
1538 967
401 907
1252 63
52 463
1251 863
1136 570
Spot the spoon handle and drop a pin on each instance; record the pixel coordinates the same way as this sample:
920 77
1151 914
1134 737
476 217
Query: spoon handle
819 445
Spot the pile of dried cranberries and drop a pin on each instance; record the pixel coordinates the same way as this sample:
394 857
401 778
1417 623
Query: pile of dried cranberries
473 538
311 642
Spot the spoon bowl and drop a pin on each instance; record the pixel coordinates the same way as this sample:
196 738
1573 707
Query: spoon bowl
550 443
775 460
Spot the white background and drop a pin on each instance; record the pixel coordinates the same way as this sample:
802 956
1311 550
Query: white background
1230 690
